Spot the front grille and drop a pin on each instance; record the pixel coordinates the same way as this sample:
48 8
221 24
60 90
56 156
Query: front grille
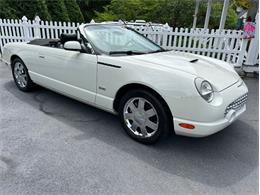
237 104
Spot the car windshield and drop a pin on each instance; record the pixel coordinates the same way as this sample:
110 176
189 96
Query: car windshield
119 40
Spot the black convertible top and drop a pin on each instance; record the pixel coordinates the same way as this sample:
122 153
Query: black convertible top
43 42
54 42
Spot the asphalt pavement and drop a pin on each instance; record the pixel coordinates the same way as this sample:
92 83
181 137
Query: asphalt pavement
51 144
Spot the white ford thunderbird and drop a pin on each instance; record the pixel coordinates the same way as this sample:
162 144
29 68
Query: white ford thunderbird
114 68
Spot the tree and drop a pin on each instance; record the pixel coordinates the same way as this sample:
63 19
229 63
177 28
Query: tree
73 11
30 8
88 7
42 10
177 13
6 11
57 10
128 10
215 16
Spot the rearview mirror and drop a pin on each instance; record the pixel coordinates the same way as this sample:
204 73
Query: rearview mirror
72 45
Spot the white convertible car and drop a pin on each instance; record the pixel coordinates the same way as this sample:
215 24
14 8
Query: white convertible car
154 91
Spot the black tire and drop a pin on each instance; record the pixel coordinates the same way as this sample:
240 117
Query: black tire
29 85
161 109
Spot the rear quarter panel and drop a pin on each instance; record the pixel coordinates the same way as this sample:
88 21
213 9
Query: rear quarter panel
28 53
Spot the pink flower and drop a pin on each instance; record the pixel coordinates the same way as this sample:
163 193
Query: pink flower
249 27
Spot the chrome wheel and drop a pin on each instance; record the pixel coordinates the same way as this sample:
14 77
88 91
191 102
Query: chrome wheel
20 74
141 117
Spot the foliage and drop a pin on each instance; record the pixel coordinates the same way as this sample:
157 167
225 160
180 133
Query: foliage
231 21
107 15
58 10
245 4
6 11
42 12
89 7
17 9
215 16
128 10
177 13
73 11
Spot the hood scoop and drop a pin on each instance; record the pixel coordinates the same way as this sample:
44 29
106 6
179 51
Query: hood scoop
193 61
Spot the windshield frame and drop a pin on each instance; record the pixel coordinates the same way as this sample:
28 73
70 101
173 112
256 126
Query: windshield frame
100 51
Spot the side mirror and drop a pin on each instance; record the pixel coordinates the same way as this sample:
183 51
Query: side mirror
72 45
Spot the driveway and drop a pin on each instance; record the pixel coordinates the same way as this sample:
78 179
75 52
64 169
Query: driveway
51 144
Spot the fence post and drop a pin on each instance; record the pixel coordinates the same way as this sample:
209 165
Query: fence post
36 26
25 28
241 53
253 50
165 31
1 34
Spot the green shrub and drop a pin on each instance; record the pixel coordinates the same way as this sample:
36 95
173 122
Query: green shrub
73 11
57 10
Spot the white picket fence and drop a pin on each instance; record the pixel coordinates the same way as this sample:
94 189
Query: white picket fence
227 45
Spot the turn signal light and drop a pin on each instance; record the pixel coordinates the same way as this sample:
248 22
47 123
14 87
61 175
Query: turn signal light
187 126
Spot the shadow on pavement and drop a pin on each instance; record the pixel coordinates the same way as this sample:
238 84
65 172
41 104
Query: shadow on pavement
219 160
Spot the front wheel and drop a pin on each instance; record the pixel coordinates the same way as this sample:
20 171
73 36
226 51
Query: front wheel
144 116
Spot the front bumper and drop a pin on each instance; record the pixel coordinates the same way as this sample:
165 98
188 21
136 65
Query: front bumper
233 104
203 129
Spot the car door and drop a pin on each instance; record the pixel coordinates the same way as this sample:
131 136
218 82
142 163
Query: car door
69 72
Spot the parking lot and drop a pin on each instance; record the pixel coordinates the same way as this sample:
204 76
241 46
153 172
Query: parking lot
51 144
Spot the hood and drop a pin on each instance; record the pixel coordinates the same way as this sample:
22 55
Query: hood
219 73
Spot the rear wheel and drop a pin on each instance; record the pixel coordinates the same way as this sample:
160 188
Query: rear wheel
21 76
143 116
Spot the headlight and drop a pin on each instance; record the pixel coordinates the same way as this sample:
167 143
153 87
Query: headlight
205 89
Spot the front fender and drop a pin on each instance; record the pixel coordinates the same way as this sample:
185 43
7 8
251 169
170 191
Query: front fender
172 85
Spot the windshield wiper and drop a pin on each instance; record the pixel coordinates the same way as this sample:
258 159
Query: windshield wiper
159 50
126 52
